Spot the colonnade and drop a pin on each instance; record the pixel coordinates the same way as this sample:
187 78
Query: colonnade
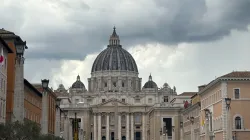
97 128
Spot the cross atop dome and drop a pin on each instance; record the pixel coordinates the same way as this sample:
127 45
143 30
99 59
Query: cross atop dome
114 38
150 78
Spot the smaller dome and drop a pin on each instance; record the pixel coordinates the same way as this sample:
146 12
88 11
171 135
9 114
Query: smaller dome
61 86
78 83
150 83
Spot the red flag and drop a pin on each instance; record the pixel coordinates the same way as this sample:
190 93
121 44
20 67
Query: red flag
1 57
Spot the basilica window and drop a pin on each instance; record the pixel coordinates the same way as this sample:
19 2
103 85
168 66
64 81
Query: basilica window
123 100
114 84
103 120
123 119
103 100
112 118
105 84
137 100
76 101
150 100
89 100
165 99
123 85
137 118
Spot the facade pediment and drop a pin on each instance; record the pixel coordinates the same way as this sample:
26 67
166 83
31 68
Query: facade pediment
112 102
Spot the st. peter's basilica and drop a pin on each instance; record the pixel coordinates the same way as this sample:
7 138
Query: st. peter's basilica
116 105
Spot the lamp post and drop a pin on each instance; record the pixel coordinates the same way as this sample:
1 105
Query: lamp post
18 108
229 128
45 85
57 127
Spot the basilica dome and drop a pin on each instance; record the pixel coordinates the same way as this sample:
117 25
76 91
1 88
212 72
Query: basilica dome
150 83
114 57
78 83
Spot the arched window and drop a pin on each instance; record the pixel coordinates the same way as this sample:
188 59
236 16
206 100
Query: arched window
237 123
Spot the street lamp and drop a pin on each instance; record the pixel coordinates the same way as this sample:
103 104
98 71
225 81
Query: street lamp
228 102
20 46
45 83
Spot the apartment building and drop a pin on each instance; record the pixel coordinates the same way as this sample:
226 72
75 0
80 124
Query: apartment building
191 120
51 107
10 38
4 51
218 121
32 103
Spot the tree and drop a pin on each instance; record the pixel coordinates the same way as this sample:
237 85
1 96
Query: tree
27 130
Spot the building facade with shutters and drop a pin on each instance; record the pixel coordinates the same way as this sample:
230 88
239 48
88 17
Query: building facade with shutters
4 51
32 103
222 123
117 105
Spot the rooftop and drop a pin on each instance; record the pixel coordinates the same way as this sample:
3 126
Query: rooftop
187 94
237 74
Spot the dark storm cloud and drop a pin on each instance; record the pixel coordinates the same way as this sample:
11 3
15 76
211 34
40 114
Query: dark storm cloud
84 28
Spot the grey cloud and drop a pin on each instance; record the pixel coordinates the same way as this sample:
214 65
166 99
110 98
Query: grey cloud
84 28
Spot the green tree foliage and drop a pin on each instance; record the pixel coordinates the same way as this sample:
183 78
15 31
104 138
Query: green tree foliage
27 130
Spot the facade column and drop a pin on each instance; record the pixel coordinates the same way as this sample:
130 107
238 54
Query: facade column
119 127
229 124
182 133
191 131
132 126
99 126
107 127
18 109
70 130
173 130
207 129
143 126
65 129
95 126
127 127
44 112
57 127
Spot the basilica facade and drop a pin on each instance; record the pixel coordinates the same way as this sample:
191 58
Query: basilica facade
116 105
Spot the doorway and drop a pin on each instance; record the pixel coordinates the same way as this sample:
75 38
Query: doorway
103 138
137 135
112 136
123 138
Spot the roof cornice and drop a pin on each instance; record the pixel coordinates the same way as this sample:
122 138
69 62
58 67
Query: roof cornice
219 80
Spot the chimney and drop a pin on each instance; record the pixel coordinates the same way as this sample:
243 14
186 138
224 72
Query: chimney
201 87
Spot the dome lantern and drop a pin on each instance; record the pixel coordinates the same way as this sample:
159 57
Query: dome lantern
114 39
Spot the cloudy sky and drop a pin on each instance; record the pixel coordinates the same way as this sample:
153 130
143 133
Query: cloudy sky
185 43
